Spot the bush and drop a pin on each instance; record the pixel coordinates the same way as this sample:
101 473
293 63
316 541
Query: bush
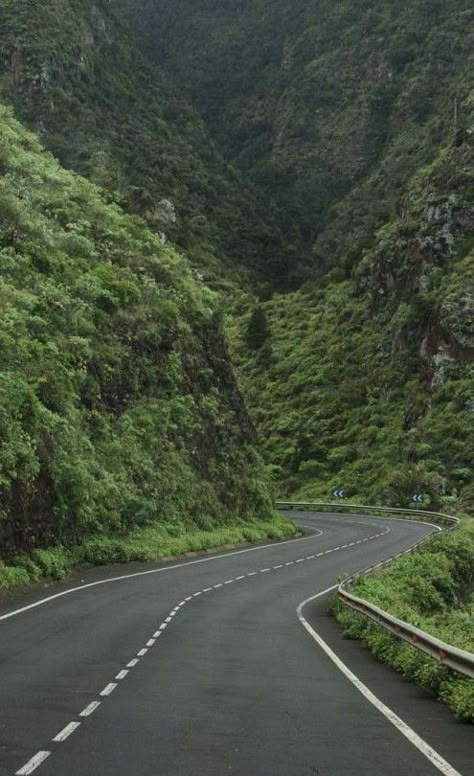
432 589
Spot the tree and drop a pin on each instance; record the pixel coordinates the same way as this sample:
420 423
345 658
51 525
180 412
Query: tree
257 328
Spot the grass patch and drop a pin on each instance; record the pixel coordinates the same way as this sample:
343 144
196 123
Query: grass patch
145 544
432 589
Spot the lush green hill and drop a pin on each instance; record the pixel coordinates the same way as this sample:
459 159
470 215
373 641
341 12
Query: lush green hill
118 406
73 75
330 105
358 118
368 383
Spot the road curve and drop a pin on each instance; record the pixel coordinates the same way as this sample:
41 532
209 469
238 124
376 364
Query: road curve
203 667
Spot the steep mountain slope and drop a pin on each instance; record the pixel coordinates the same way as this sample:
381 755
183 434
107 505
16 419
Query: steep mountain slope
358 118
118 405
73 75
368 383
331 106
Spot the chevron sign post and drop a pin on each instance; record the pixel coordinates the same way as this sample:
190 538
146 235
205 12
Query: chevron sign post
338 493
417 498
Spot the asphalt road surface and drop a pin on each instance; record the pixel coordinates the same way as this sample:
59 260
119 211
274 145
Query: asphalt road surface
206 667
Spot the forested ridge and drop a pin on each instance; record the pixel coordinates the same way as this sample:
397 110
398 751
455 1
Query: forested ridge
298 174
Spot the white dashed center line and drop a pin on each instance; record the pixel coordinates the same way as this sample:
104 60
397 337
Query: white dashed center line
66 732
32 764
42 755
90 709
108 689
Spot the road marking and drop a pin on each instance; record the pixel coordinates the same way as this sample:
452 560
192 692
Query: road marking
66 732
280 566
108 689
32 764
422 746
195 595
242 576
37 759
90 709
207 589
122 674
219 584
310 557
228 581
78 589
161 570
151 642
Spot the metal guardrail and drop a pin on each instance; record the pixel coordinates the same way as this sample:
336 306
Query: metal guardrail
458 660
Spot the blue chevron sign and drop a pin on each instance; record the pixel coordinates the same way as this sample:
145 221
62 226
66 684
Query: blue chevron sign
338 493
417 498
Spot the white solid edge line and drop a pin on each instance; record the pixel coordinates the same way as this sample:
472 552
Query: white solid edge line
66 732
422 746
32 764
43 601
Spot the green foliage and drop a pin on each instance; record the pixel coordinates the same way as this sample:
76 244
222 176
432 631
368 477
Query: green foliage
369 385
142 544
330 106
107 113
257 329
118 407
432 589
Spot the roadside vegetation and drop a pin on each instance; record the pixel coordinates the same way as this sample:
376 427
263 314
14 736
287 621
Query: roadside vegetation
432 589
155 543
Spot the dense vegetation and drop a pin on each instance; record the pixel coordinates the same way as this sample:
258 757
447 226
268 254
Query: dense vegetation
107 113
358 118
118 406
313 161
331 106
433 590
368 382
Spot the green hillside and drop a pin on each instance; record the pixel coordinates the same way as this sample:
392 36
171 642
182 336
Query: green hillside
358 118
368 383
331 106
312 162
118 406
107 113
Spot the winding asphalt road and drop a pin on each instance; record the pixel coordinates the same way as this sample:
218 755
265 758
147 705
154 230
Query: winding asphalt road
203 667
